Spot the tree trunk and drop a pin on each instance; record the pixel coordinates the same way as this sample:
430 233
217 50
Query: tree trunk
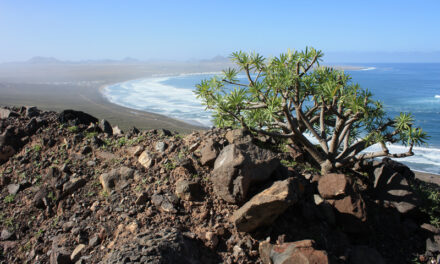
326 167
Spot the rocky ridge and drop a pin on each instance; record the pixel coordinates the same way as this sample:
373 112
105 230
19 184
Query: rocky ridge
76 190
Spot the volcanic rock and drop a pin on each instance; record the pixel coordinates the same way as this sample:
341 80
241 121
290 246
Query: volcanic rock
77 117
266 206
333 185
239 166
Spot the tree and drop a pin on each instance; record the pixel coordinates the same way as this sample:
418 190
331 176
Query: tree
292 96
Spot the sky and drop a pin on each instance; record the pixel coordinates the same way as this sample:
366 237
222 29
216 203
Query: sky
346 31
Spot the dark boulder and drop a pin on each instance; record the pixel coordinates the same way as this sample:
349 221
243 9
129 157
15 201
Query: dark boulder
392 186
106 127
32 111
76 117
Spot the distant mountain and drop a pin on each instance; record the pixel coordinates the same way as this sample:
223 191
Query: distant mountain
217 58
51 60
43 60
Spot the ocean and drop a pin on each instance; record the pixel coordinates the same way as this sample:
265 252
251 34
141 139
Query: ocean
412 87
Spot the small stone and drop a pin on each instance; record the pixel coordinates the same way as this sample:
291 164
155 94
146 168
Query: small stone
13 188
126 172
160 146
211 239
142 199
67 226
117 131
168 207
94 241
133 228
6 235
145 159
76 254
237 251
135 151
187 190
86 150
73 185
430 228
193 147
318 199
157 199
94 206
59 256
433 244
91 163
5 113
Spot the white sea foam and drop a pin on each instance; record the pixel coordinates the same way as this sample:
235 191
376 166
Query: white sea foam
425 159
153 96
369 69
437 96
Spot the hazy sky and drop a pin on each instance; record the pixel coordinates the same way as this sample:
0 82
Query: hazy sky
345 30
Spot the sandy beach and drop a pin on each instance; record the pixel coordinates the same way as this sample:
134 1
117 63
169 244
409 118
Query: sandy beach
78 86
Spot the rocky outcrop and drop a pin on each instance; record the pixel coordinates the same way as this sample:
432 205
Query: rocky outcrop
71 193
239 166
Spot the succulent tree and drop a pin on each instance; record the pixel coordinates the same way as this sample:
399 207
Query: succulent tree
293 97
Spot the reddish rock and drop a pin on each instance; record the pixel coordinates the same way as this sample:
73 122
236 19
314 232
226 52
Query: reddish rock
352 205
265 207
333 185
208 152
299 252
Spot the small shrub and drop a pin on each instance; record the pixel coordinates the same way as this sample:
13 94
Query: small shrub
73 129
9 198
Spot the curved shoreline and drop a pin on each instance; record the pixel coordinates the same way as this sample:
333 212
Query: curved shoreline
154 95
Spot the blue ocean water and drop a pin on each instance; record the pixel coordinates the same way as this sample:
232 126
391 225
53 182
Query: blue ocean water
401 87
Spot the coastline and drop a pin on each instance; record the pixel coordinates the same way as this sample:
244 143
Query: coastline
427 177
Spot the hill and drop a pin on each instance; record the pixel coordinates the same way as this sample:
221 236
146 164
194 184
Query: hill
74 189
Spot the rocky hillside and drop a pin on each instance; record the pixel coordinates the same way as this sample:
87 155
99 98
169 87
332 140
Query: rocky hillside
77 190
